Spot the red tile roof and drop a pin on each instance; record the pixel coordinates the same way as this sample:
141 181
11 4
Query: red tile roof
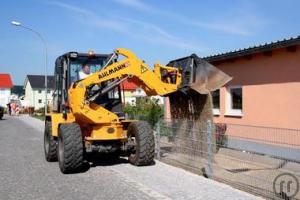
128 85
5 81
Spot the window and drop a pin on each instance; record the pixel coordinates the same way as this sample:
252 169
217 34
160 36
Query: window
236 98
216 102
48 91
39 91
234 101
76 65
40 100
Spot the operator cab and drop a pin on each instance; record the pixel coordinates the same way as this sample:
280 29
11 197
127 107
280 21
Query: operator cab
67 70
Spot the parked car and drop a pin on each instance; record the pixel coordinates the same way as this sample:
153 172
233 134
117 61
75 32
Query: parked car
1 112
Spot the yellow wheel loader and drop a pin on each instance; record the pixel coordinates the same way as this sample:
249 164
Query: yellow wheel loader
87 116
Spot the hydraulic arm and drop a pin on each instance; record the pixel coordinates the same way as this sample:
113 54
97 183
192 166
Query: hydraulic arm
161 81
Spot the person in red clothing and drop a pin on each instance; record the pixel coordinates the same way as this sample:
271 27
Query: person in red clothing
17 110
13 108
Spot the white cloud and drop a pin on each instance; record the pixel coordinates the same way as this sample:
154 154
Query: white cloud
70 7
244 25
135 4
91 17
129 27
156 34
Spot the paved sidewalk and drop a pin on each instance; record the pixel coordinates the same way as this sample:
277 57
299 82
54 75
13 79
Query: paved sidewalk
253 173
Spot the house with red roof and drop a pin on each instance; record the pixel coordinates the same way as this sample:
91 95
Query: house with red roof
131 91
5 89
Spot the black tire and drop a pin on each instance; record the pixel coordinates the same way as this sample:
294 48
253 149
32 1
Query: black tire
50 144
70 148
144 143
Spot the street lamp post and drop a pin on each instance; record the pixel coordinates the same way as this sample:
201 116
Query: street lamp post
18 24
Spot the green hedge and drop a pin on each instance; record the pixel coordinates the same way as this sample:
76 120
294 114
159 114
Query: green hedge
145 109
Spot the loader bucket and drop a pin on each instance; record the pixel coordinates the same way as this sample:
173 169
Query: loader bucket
199 75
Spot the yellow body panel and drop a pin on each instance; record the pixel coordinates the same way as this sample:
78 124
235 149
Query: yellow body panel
57 118
108 132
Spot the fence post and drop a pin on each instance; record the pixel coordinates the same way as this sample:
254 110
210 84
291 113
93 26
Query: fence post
209 149
158 140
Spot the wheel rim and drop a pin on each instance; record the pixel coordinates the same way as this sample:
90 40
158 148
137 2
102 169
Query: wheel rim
132 154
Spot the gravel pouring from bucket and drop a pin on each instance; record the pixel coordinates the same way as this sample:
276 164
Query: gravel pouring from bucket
191 106
199 75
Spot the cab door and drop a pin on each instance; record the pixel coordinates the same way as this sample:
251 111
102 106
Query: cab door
58 90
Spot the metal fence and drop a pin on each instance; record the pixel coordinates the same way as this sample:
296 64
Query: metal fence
263 161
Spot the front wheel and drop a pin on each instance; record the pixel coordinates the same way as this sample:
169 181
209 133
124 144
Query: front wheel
141 134
70 148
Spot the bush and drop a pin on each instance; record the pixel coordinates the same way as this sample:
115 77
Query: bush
40 110
145 109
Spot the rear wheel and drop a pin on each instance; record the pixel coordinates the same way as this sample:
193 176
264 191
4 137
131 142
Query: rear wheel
70 148
50 144
141 135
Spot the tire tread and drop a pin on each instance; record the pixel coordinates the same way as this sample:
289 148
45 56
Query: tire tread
145 143
73 148
51 156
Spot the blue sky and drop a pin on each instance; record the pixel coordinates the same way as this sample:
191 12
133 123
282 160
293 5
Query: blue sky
156 30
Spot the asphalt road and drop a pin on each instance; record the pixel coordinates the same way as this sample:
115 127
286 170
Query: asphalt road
24 173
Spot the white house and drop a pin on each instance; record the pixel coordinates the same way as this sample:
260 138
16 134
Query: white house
5 89
139 92
34 86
